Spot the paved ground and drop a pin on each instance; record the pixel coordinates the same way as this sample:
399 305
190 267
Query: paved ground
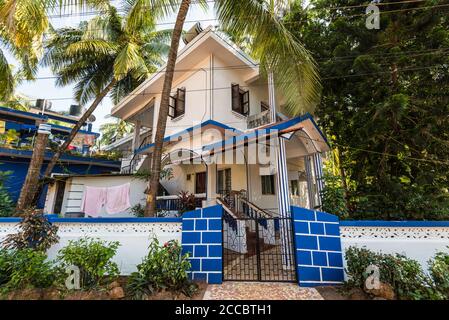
260 291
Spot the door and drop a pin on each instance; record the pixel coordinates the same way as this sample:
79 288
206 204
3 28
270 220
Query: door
60 188
200 183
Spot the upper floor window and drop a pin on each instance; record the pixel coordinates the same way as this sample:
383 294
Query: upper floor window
240 100
177 105
267 184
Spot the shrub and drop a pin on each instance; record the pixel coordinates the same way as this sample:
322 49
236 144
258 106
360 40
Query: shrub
6 204
403 274
36 232
187 201
163 268
24 268
94 259
439 271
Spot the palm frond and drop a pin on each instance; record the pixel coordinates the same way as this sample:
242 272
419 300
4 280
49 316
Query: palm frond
6 78
296 75
130 59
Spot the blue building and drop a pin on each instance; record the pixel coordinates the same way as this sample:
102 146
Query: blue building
17 132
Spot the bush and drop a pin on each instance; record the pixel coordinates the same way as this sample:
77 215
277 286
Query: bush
25 268
6 204
163 268
404 275
94 259
333 197
36 232
439 271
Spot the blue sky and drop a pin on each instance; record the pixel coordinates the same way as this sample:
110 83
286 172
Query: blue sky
45 88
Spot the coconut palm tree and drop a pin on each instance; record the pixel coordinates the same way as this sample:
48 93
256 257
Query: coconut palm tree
109 55
114 131
269 42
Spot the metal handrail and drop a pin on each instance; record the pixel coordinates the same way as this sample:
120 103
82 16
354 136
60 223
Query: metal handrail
136 157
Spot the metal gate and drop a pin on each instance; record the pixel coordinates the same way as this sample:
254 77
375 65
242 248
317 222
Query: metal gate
258 248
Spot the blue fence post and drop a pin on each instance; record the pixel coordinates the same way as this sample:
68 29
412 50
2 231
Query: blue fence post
202 239
319 255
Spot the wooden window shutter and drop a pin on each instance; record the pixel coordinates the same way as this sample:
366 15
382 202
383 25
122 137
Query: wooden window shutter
236 98
172 107
245 103
181 102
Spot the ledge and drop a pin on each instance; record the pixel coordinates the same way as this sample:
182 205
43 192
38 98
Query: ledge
394 224
101 220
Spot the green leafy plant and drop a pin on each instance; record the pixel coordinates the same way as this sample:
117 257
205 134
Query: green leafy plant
404 275
36 232
333 197
187 201
163 268
138 210
94 259
6 204
439 271
25 268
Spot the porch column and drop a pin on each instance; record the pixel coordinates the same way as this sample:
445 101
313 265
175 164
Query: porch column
310 185
211 183
136 137
283 194
318 170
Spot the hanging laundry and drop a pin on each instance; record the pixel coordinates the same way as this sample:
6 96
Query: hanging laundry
117 199
94 199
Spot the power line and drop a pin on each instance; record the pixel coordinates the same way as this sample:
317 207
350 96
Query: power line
261 84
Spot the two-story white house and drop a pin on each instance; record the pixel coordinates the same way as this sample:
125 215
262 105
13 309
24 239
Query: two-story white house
220 137
219 113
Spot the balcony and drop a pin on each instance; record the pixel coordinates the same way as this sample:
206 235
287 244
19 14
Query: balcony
260 119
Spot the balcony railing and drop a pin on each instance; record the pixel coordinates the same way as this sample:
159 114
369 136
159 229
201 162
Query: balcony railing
174 203
259 119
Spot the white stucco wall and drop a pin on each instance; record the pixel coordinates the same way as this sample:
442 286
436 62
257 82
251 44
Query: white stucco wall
420 243
134 238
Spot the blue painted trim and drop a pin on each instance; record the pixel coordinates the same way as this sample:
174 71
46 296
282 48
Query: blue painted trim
65 157
199 126
101 220
381 223
68 129
264 131
23 113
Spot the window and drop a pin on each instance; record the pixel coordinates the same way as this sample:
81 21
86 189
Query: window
224 183
267 184
240 100
294 187
264 107
177 105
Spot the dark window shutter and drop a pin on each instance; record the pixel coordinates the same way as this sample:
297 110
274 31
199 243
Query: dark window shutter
172 107
181 102
245 103
236 98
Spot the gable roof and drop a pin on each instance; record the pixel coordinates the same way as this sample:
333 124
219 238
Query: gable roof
208 41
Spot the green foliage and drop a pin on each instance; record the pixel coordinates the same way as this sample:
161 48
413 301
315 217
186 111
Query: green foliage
439 271
187 201
163 268
94 259
6 204
111 132
384 103
404 275
333 197
138 210
36 232
25 268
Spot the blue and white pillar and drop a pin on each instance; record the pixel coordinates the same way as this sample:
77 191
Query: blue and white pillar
283 193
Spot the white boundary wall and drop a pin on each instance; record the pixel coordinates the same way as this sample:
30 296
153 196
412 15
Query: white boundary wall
418 243
134 238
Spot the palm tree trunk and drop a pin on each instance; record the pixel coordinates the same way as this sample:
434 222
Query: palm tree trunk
153 185
32 179
70 138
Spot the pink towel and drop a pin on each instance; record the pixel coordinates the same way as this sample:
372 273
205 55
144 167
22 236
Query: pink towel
93 200
117 199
